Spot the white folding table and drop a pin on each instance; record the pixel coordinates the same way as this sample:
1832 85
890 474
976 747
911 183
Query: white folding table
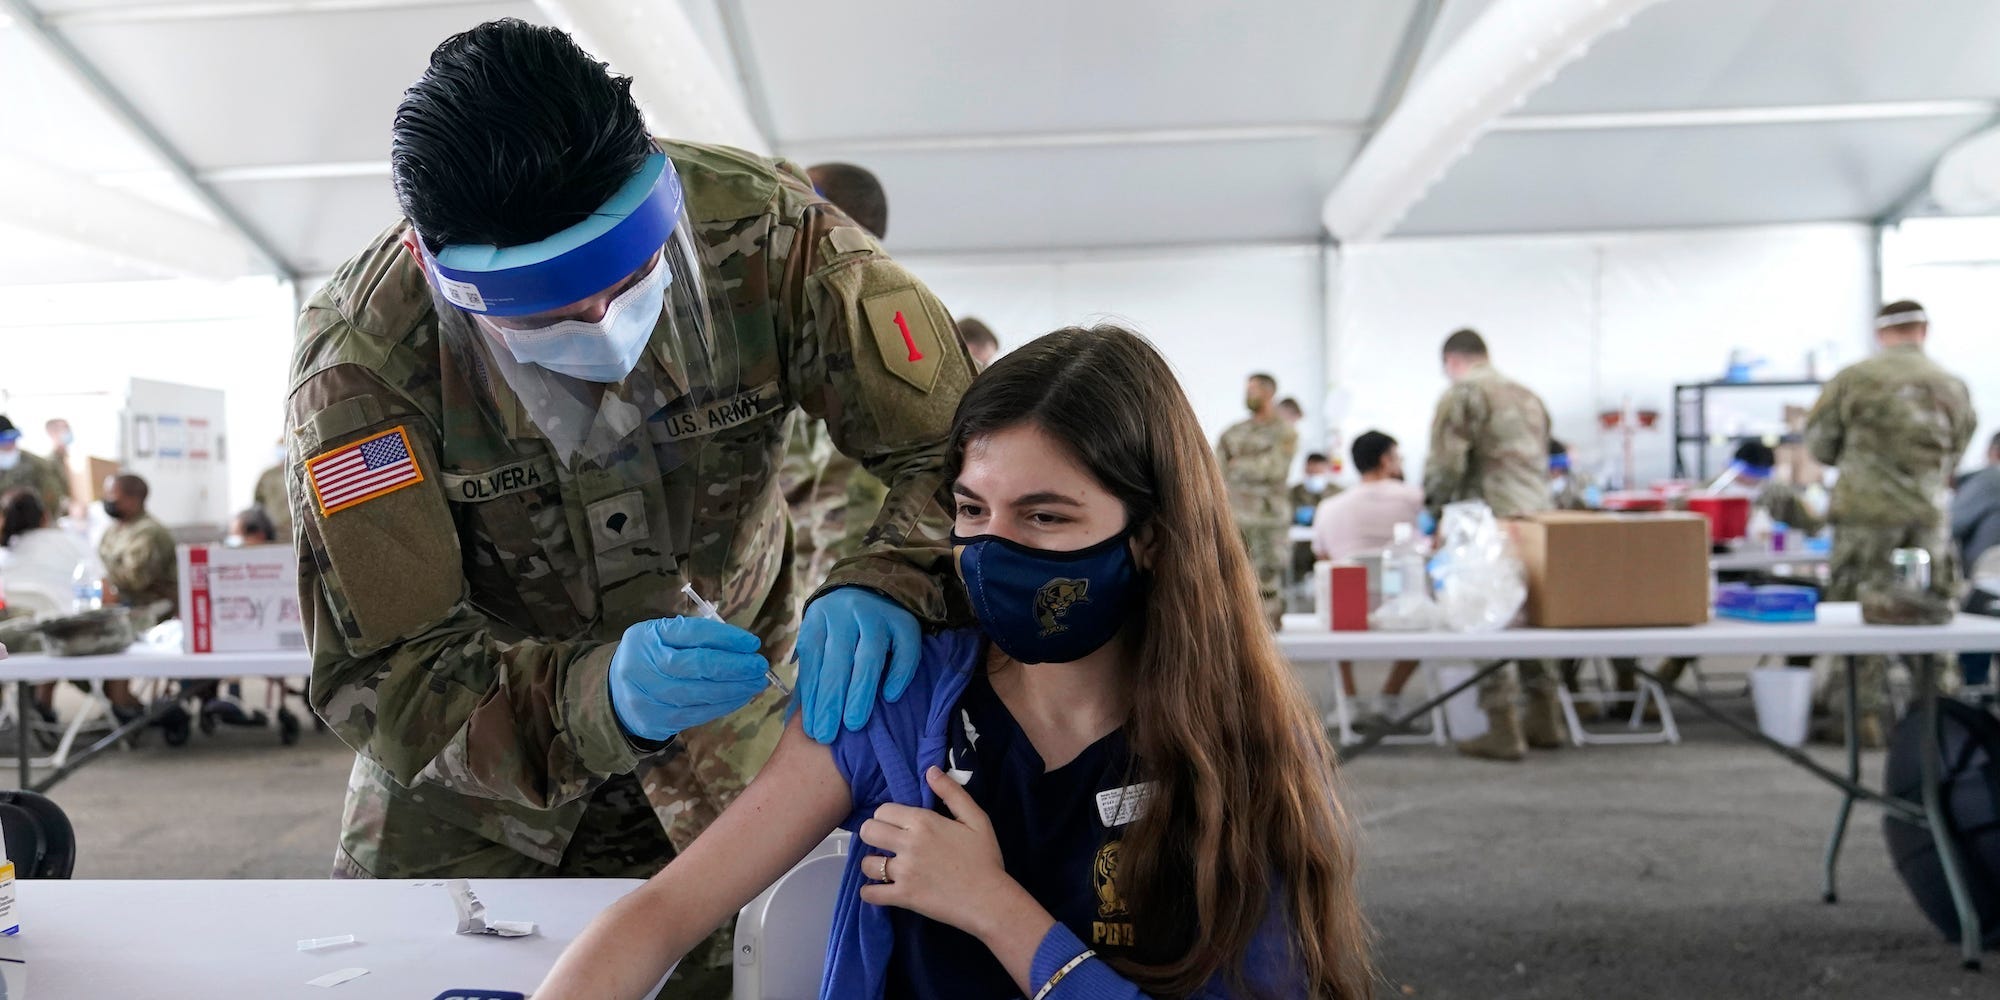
196 940
137 662
1838 631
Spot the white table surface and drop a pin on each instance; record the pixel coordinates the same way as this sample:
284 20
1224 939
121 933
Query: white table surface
1839 630
198 940
142 661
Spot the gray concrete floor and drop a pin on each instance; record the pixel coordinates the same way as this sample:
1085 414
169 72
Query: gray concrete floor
1630 872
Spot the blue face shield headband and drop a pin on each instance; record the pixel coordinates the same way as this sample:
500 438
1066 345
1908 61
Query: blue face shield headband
1040 606
1558 463
1745 470
572 265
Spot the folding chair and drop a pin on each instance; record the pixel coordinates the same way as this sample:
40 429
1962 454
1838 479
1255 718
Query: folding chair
1607 694
781 936
1341 719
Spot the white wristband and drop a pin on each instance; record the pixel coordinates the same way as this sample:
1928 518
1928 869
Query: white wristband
1042 994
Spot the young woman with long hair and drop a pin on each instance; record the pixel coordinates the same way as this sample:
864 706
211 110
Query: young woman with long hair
1112 786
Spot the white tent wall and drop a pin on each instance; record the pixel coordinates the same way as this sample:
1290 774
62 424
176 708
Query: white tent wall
70 350
1217 314
1587 320
1952 266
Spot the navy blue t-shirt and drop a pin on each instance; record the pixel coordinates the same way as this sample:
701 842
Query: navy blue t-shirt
1052 837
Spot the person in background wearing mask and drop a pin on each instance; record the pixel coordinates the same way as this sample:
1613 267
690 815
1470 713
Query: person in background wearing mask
1490 442
1572 488
1895 425
38 561
19 467
532 411
1752 473
60 439
1256 456
141 570
1975 526
270 495
1117 653
1317 485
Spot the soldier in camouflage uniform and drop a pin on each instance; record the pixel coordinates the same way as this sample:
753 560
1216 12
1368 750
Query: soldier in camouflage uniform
1490 442
831 498
1895 425
141 571
1256 456
272 496
21 467
467 621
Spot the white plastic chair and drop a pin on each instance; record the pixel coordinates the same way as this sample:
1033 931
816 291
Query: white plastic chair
1342 717
781 936
1606 695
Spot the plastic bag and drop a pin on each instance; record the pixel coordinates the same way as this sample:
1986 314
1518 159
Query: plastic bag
1480 583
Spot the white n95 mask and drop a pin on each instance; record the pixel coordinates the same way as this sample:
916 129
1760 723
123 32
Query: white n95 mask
9 458
604 351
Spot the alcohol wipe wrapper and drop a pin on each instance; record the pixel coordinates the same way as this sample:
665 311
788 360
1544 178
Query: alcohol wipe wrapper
472 917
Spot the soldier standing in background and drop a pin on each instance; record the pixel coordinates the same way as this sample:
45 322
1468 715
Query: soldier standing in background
523 418
1256 456
1490 442
1895 425
60 438
21 467
271 496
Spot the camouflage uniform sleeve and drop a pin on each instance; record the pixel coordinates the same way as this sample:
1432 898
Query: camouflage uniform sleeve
1965 422
406 670
1825 433
1447 466
1783 503
873 353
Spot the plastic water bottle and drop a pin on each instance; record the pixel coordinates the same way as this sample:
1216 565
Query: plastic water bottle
87 589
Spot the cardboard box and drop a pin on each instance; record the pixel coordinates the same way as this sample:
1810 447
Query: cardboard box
1588 570
243 600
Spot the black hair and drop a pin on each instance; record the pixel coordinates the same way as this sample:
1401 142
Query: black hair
1268 381
21 511
1370 449
856 191
133 486
1465 343
1316 457
1993 446
1756 453
513 134
253 518
1899 306
5 424
1557 448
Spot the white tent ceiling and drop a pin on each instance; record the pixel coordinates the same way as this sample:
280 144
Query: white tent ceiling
1052 123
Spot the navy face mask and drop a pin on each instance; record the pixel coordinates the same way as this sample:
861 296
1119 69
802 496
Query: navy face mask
1040 606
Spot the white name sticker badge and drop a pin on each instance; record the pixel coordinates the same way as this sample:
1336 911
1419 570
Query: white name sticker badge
1119 806
463 294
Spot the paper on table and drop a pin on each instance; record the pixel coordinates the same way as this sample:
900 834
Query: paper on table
472 914
333 979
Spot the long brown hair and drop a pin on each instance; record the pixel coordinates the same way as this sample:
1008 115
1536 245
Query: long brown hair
1242 764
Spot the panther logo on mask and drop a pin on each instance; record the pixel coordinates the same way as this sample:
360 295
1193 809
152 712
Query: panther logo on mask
1055 599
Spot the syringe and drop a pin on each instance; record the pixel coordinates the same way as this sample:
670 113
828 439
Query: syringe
706 609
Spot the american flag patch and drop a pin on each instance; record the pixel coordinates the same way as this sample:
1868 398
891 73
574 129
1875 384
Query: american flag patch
362 471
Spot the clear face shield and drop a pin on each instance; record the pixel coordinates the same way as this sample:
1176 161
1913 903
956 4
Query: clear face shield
596 329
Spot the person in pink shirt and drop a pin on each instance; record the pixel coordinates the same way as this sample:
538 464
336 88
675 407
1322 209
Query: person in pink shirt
1362 522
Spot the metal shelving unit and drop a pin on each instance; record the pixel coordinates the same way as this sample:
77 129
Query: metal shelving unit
1698 435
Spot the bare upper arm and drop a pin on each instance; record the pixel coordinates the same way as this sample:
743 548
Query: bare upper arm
798 798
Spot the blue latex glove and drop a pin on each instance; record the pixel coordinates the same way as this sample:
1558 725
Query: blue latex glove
847 638
671 674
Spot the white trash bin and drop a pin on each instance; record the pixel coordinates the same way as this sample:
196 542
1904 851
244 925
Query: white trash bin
1461 713
1783 696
